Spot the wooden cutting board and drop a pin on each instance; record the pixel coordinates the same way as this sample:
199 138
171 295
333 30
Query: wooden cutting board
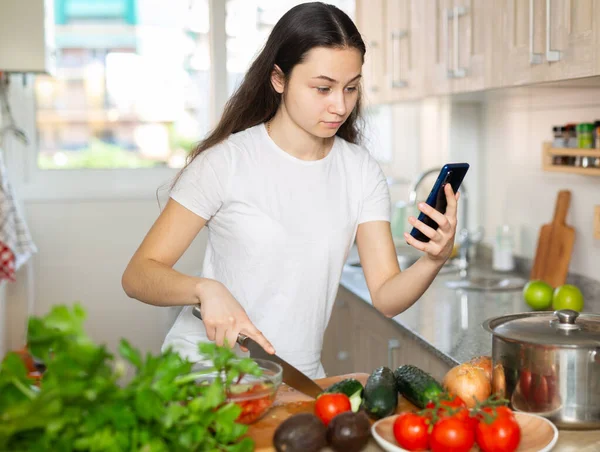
289 402
555 245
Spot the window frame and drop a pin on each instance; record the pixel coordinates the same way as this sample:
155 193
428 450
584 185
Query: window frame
39 185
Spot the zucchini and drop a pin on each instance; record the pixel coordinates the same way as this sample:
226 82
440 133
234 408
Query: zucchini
416 385
380 395
352 388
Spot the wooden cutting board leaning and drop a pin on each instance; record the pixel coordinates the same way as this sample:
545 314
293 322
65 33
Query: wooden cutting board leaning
555 245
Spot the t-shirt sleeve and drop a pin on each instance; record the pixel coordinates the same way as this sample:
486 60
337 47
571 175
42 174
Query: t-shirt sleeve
376 205
202 185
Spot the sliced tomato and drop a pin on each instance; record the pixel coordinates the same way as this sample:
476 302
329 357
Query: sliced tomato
410 431
330 405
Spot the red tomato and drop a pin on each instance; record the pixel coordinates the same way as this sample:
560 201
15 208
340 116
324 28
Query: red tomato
330 405
525 383
503 434
540 391
451 435
410 431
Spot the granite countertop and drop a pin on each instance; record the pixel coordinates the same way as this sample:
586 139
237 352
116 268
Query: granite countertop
449 321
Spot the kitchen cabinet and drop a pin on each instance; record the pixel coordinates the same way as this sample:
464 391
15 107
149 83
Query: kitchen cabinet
393 31
459 45
418 48
27 36
359 339
549 40
369 20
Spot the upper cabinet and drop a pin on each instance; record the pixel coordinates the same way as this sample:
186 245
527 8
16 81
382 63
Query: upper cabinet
433 47
549 40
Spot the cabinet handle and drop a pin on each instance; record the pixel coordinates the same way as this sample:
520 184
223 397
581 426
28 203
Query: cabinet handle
374 88
459 72
446 24
534 58
342 355
393 344
452 70
396 37
551 55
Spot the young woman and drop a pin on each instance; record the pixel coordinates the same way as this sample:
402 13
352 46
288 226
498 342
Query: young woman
284 189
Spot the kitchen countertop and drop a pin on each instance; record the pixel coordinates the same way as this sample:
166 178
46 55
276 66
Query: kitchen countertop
448 321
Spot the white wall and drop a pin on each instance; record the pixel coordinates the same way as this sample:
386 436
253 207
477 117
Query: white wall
516 190
83 250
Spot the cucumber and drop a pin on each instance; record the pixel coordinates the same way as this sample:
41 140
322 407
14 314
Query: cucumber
352 388
416 385
380 394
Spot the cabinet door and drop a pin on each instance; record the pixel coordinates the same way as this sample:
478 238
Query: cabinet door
438 43
405 30
470 33
337 355
523 58
572 42
370 22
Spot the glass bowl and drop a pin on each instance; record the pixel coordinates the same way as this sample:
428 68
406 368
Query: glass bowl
255 395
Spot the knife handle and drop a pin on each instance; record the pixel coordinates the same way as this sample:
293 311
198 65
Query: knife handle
241 339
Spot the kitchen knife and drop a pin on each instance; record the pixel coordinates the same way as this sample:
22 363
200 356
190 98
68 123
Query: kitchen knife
291 376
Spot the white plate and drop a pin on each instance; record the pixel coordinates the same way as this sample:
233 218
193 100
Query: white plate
538 434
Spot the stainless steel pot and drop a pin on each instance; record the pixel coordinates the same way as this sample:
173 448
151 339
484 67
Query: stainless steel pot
549 364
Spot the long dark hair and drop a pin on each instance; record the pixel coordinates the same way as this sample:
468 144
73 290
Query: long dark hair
299 30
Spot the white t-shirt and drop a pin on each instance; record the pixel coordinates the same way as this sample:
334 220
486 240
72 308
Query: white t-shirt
279 232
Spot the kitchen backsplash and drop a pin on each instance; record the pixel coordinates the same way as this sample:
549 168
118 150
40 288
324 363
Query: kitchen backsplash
515 189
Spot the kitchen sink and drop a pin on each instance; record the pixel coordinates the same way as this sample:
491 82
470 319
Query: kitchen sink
487 283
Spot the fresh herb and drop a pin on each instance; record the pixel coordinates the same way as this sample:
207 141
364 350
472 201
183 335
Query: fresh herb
82 403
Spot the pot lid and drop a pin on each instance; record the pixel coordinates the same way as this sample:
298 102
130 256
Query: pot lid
564 328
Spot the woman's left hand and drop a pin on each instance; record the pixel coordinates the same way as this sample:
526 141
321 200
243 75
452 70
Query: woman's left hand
441 241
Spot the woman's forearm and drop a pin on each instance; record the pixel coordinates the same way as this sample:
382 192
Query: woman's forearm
158 284
402 290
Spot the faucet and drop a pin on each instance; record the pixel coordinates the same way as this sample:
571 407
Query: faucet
465 239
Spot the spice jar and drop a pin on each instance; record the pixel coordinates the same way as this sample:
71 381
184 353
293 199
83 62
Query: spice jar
570 136
585 135
597 134
559 138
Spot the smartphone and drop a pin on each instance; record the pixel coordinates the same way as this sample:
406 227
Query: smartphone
451 173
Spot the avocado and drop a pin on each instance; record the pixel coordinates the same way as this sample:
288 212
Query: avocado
302 432
349 432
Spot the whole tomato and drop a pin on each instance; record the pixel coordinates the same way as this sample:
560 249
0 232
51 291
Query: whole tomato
525 383
502 434
410 431
330 405
451 434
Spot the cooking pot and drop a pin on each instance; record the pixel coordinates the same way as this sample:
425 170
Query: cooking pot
548 363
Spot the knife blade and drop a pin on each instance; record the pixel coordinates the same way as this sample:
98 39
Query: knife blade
291 376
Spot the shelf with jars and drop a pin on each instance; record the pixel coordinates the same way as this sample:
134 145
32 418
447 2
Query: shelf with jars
571 160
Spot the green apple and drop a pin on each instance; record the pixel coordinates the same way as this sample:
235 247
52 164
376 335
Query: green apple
567 296
538 295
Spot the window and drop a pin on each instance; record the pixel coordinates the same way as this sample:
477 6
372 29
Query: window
133 84
131 88
248 25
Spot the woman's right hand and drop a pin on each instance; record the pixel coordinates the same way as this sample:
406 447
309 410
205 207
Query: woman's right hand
224 317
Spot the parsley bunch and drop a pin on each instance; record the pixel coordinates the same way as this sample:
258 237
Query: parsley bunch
83 405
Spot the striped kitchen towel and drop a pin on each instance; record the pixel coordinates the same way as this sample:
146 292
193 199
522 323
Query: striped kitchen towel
16 244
